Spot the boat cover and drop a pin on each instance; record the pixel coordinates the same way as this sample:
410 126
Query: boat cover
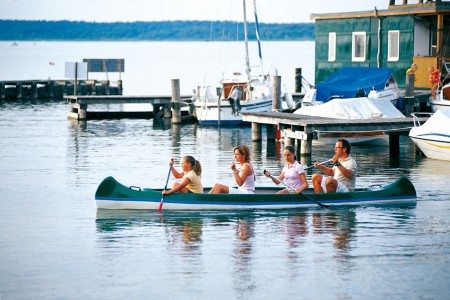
353 108
345 82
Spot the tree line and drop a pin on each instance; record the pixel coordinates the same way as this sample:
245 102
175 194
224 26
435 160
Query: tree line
152 31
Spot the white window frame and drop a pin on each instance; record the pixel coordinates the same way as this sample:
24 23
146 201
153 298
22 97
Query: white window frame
393 45
332 46
355 46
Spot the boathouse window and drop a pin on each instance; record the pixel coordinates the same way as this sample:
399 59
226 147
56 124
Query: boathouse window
358 46
332 46
393 45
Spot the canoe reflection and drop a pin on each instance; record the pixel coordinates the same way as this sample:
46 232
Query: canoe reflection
188 227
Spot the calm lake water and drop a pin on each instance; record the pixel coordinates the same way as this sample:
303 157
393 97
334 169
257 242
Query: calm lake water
54 244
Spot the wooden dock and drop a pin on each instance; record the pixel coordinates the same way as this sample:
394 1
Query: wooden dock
17 90
162 105
301 130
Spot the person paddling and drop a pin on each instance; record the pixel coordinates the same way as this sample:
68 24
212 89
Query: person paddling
191 177
293 172
245 177
341 177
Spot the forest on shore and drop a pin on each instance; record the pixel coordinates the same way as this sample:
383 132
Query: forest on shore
21 30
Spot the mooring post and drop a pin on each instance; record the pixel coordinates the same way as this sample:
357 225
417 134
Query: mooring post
120 86
276 93
51 89
409 94
256 132
2 91
298 80
19 90
306 145
175 103
271 132
34 89
394 145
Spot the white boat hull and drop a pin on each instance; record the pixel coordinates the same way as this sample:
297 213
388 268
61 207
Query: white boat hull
443 99
433 137
209 114
438 104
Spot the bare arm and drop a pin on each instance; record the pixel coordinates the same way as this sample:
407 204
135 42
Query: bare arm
276 181
177 187
304 185
245 171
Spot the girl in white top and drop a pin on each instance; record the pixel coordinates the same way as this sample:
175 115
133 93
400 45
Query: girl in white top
245 177
191 182
293 172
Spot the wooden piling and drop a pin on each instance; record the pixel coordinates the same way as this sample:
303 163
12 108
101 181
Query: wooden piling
409 95
175 105
298 80
256 132
276 93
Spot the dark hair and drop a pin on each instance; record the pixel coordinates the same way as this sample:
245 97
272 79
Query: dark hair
291 149
195 164
244 151
346 144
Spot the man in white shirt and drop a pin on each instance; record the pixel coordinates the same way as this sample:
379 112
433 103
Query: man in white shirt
342 176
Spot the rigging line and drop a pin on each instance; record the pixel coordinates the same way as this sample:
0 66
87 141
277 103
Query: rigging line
258 36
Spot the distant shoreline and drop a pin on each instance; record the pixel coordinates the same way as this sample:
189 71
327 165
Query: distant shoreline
201 31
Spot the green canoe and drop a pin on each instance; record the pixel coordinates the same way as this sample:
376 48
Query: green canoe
111 194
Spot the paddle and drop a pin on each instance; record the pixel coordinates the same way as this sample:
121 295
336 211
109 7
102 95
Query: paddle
306 196
324 162
165 187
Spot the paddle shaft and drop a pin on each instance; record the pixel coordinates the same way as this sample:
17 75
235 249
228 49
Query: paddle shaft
306 196
324 162
165 187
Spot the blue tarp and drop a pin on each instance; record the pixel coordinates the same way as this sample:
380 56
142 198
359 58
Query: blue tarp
345 82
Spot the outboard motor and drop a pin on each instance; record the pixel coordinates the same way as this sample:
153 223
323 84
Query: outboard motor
360 93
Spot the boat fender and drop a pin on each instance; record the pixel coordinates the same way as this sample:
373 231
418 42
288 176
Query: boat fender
310 96
287 97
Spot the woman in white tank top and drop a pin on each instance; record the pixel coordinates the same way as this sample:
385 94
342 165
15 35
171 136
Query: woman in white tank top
245 177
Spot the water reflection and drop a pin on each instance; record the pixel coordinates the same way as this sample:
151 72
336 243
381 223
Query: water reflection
242 254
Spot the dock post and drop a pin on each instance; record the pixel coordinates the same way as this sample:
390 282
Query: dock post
120 86
394 145
256 132
19 91
51 89
34 89
82 115
2 91
175 104
306 145
276 93
298 80
409 95
271 132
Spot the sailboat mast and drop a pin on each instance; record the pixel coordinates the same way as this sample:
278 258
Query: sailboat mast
247 60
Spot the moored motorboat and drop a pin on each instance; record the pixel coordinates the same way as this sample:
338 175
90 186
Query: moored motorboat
351 82
443 98
111 194
353 108
433 137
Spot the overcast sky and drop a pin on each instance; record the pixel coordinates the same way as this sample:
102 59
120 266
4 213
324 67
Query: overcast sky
269 11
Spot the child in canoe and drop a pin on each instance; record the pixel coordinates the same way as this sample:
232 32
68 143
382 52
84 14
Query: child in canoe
293 172
191 177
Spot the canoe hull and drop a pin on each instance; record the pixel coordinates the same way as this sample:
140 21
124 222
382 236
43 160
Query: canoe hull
113 195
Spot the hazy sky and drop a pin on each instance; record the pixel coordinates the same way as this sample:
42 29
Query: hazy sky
269 11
